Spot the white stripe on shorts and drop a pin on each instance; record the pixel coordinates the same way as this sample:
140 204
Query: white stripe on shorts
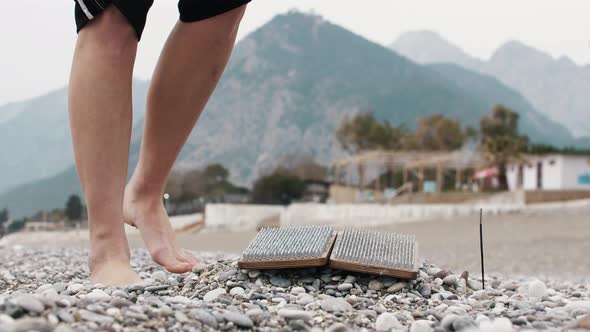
85 9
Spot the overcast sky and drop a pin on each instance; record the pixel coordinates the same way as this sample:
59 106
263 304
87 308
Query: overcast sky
37 36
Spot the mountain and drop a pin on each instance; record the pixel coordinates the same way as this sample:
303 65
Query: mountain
426 47
490 91
290 83
556 87
35 136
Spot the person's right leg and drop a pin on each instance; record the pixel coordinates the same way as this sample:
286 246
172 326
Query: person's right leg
100 119
189 68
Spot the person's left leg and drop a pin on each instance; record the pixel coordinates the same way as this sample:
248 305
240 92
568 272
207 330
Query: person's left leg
188 70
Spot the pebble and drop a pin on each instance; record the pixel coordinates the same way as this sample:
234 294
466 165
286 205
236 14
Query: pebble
345 287
29 303
297 290
238 319
375 285
204 317
421 326
94 317
497 325
97 295
160 276
279 281
295 314
199 268
537 289
298 299
213 294
450 280
75 288
509 285
237 291
335 305
398 286
387 322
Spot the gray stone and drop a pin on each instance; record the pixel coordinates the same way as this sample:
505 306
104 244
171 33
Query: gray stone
295 314
199 268
398 286
97 295
280 281
29 303
344 287
387 322
93 317
375 285
335 305
160 276
237 291
238 319
213 294
450 280
204 317
463 323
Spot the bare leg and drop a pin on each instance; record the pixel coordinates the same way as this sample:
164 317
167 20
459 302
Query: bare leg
100 119
189 68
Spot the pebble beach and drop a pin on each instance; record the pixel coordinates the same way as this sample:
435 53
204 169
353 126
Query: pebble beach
47 290
537 278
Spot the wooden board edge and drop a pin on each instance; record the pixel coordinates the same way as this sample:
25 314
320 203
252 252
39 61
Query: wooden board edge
396 273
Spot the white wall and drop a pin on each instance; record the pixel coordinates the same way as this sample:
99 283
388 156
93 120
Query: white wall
574 167
239 216
560 172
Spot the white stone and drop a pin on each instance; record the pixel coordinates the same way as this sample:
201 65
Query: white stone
583 306
421 326
297 290
305 299
98 295
160 276
335 305
213 294
537 289
75 288
497 325
295 314
113 312
386 322
345 286
237 291
451 280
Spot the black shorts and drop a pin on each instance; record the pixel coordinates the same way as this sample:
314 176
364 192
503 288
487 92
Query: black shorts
136 10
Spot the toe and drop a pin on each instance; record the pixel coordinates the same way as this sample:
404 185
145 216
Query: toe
187 257
169 262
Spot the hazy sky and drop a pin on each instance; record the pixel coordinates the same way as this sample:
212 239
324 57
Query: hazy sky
37 36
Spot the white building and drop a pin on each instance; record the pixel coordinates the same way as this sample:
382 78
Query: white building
550 172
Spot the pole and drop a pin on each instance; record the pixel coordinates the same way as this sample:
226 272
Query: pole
483 281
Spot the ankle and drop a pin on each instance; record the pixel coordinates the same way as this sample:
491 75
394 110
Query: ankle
140 191
107 247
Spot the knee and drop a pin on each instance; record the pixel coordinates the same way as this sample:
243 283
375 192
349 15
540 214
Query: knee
110 33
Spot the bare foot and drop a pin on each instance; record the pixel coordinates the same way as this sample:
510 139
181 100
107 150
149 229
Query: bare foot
109 262
150 217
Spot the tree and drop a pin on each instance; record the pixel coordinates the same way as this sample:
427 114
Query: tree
74 208
438 132
500 141
280 187
364 132
304 167
4 217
